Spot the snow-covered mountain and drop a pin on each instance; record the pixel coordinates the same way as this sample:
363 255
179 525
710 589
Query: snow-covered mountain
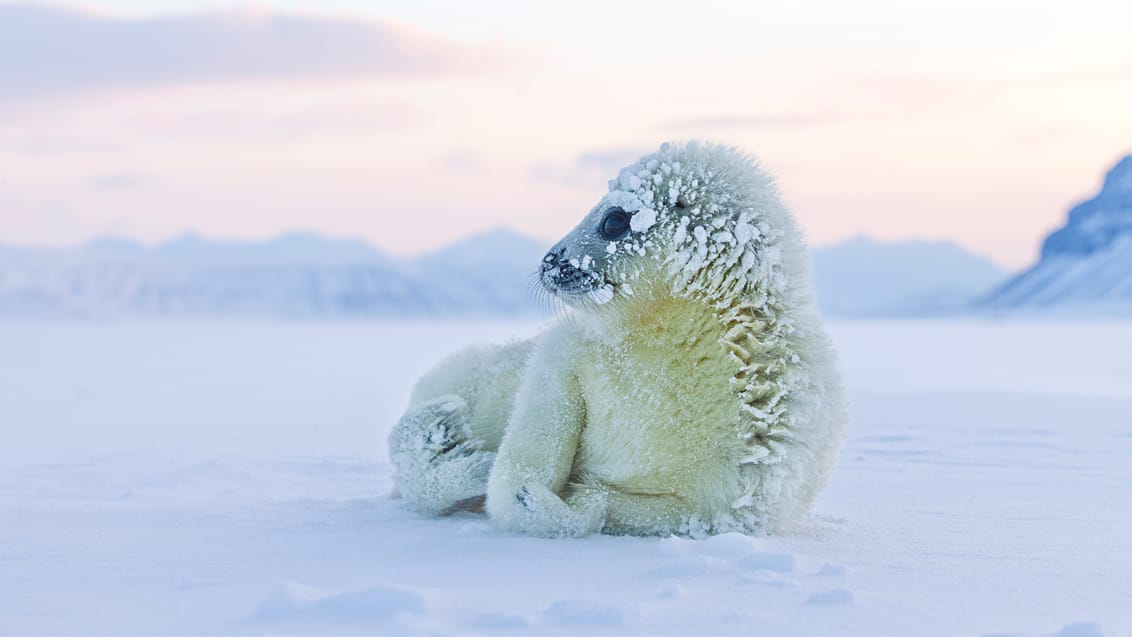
489 273
863 278
304 275
1086 265
293 276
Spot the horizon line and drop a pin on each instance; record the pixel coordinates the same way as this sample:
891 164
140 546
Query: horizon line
193 233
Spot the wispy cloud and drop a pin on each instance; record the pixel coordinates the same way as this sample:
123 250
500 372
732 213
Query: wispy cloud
866 97
593 166
1120 72
917 94
280 122
55 143
61 51
462 162
121 180
781 120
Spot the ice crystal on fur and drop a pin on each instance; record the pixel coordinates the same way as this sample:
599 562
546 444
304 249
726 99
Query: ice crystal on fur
692 389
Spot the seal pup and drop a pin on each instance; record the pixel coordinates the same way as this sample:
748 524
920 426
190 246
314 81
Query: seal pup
690 390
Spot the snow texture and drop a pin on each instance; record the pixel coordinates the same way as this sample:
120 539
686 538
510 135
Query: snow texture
226 480
690 391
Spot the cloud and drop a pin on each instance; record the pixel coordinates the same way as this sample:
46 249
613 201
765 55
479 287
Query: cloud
121 181
462 162
866 97
590 167
45 51
54 143
785 120
1083 75
922 93
281 122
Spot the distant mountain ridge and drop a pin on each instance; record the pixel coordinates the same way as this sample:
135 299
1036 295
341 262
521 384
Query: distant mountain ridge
865 278
1086 265
300 247
305 275
297 275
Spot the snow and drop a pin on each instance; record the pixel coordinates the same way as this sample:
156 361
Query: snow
643 220
1086 265
1099 283
231 479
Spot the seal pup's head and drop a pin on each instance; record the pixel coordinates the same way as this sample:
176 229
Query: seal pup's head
694 220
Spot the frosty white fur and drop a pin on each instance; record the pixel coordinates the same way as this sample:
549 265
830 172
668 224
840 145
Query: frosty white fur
690 390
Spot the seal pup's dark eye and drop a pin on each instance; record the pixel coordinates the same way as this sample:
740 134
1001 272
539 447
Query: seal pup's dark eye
614 224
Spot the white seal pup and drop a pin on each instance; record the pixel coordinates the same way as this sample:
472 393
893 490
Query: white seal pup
690 389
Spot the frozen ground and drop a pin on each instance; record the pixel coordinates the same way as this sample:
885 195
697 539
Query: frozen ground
231 480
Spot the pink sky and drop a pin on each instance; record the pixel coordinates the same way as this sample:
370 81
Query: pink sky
422 122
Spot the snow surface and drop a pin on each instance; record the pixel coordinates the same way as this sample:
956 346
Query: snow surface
231 479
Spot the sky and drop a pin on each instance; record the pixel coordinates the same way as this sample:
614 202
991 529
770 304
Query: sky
413 124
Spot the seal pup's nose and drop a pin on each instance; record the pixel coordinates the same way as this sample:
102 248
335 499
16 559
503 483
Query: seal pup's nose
552 260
